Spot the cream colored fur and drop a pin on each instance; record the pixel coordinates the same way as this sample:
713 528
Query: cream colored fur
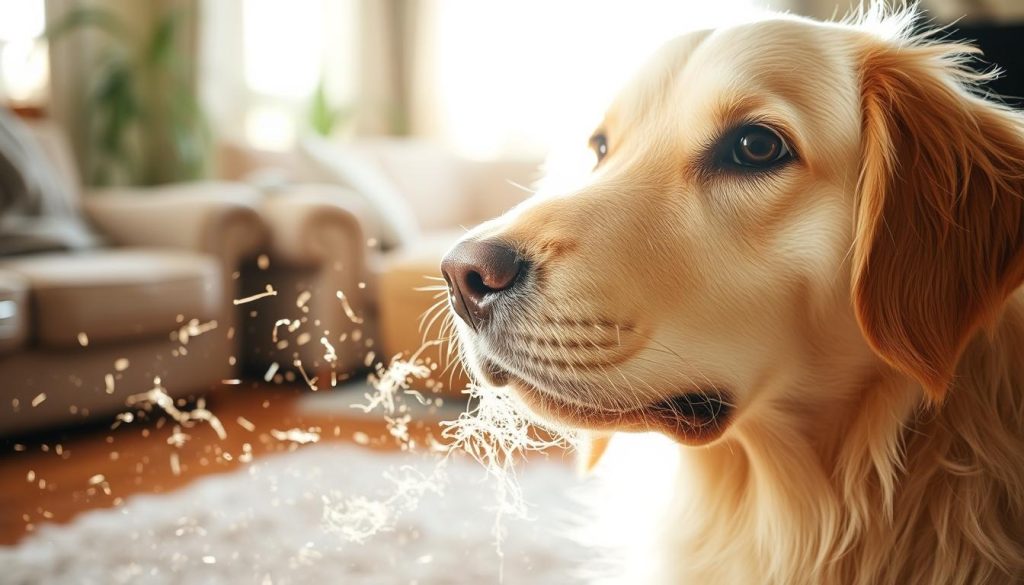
876 439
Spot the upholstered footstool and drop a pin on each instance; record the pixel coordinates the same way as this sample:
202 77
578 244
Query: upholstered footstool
410 294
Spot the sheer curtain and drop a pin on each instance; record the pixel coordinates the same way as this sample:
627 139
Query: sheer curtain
24 63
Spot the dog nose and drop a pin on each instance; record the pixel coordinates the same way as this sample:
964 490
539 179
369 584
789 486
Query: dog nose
475 272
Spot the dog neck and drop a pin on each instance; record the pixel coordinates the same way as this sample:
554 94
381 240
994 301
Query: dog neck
889 489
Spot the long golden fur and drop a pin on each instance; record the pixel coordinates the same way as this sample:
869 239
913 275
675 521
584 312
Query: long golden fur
852 314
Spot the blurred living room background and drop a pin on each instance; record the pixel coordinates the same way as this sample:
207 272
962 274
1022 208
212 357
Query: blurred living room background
238 207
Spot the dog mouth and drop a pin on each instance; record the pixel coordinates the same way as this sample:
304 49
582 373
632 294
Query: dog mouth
694 417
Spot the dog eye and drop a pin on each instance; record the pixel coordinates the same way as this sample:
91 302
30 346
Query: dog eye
599 144
757 148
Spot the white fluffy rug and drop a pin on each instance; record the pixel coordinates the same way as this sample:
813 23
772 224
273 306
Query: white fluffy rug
265 524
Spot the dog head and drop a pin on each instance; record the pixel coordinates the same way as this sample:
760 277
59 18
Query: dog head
778 212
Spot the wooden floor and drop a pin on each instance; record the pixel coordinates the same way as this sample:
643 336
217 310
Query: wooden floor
54 478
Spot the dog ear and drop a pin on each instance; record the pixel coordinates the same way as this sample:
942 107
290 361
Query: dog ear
939 218
590 450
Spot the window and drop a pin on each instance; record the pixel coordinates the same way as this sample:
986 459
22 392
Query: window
263 60
24 63
487 77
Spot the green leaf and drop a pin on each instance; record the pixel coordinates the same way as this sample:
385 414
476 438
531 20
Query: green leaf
323 117
160 50
145 121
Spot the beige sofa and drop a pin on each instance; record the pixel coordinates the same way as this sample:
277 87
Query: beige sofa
325 238
79 332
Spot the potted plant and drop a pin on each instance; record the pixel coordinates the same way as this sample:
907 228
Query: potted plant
145 123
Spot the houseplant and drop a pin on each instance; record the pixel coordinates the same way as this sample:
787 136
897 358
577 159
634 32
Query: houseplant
145 123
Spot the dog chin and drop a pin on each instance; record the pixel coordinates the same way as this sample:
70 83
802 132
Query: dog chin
695 418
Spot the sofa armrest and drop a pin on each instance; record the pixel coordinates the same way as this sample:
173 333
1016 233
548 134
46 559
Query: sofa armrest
311 224
318 247
216 218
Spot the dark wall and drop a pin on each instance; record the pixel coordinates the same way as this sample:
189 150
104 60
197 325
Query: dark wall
1003 46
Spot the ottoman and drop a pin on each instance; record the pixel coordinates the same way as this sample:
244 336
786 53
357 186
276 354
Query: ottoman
402 304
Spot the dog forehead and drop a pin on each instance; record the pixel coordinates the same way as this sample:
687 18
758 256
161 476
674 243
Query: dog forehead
805 68
798 73
652 82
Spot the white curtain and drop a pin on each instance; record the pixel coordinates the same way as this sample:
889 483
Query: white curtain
388 45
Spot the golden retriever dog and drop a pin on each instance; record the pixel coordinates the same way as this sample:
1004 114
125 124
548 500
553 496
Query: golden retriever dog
797 256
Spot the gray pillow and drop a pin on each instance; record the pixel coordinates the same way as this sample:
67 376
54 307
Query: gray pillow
38 206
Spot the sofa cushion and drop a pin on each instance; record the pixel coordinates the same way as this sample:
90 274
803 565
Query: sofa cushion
431 179
13 311
114 295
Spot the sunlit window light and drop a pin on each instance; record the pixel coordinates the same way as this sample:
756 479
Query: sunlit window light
283 46
511 76
24 62
23 19
270 127
287 49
